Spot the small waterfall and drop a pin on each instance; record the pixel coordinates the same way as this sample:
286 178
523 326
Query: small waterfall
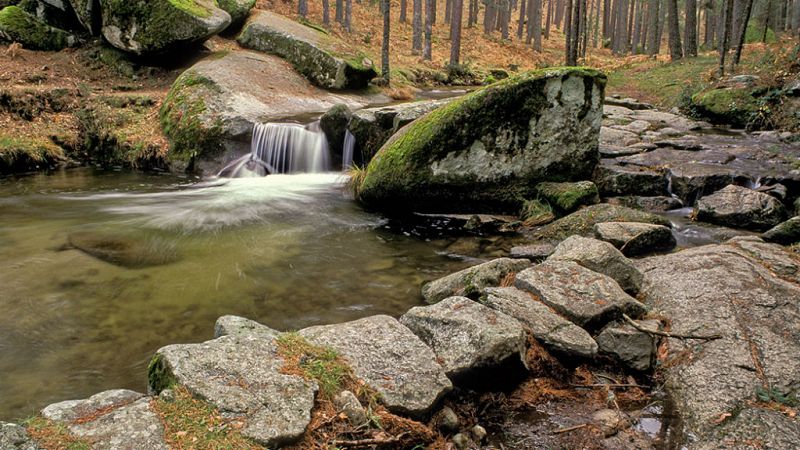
347 150
282 148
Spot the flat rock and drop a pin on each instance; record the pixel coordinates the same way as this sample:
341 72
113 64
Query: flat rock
235 325
636 238
614 179
589 299
311 52
739 207
582 222
15 437
628 103
533 252
649 204
466 335
389 358
614 151
553 331
471 281
634 348
600 257
785 233
748 291
613 136
117 419
241 376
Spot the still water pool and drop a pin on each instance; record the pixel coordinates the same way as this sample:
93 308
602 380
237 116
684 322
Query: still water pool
286 250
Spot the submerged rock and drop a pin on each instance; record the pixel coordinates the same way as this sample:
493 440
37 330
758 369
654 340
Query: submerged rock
636 349
739 207
567 197
123 250
488 149
156 27
582 221
390 359
635 239
311 51
466 335
589 299
785 233
471 281
748 292
600 257
17 25
242 377
116 419
553 331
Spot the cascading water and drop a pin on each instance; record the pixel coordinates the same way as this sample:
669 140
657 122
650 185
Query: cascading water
347 150
282 148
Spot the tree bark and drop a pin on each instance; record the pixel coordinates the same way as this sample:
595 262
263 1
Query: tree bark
662 21
631 17
403 10
690 29
470 13
765 20
523 8
725 35
302 8
675 47
568 33
340 11
348 15
796 17
505 16
637 28
385 44
596 34
427 50
448 10
549 19
746 11
416 24
455 32
536 16
326 13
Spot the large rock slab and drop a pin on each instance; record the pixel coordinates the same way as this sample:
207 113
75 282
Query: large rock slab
466 335
553 331
390 359
155 27
634 239
581 222
472 280
117 419
310 51
241 376
739 207
747 291
600 257
488 149
589 299
214 104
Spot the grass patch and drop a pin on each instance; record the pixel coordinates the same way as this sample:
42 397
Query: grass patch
51 435
312 362
355 178
192 423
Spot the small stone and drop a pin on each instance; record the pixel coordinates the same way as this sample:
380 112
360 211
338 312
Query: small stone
15 437
610 421
348 403
167 395
614 180
235 325
461 441
533 252
448 420
478 433
634 348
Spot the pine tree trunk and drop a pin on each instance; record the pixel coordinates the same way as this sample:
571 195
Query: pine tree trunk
455 32
765 20
652 18
326 13
577 19
302 8
675 47
631 17
560 7
427 50
568 34
796 17
416 28
662 22
385 44
340 11
448 10
725 35
596 34
529 24
505 15
620 38
348 15
690 29
488 13
549 19
523 8
708 36
637 28
536 16
403 10
470 13
746 11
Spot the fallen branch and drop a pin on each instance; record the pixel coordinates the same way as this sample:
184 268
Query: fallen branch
568 429
610 385
369 442
705 337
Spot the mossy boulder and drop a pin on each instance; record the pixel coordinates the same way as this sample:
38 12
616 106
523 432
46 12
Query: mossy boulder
17 25
88 14
568 197
56 13
159 26
238 9
320 57
785 233
489 149
582 222
733 106
24 154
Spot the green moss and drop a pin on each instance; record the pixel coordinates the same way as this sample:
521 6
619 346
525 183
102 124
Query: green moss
569 196
735 106
159 376
535 212
321 364
238 10
16 25
22 154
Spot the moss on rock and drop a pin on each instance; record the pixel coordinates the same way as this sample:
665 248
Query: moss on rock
487 150
536 212
734 106
17 25
238 9
567 197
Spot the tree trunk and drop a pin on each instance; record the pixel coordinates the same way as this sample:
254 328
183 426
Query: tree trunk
675 47
326 13
725 35
620 38
348 15
631 19
606 18
560 7
340 11
403 10
690 29
302 8
577 19
746 11
662 21
765 20
796 17
455 32
505 15
708 36
470 13
416 24
637 28
523 8
595 37
568 34
488 14
448 10
385 44
549 19
427 50
536 16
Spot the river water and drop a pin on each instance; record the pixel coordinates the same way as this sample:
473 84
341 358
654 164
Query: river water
286 250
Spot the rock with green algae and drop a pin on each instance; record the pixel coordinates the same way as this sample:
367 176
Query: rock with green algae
487 150
157 27
568 197
315 54
581 222
785 233
238 9
734 106
17 25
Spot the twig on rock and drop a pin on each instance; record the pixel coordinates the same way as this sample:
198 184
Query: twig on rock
568 429
705 337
